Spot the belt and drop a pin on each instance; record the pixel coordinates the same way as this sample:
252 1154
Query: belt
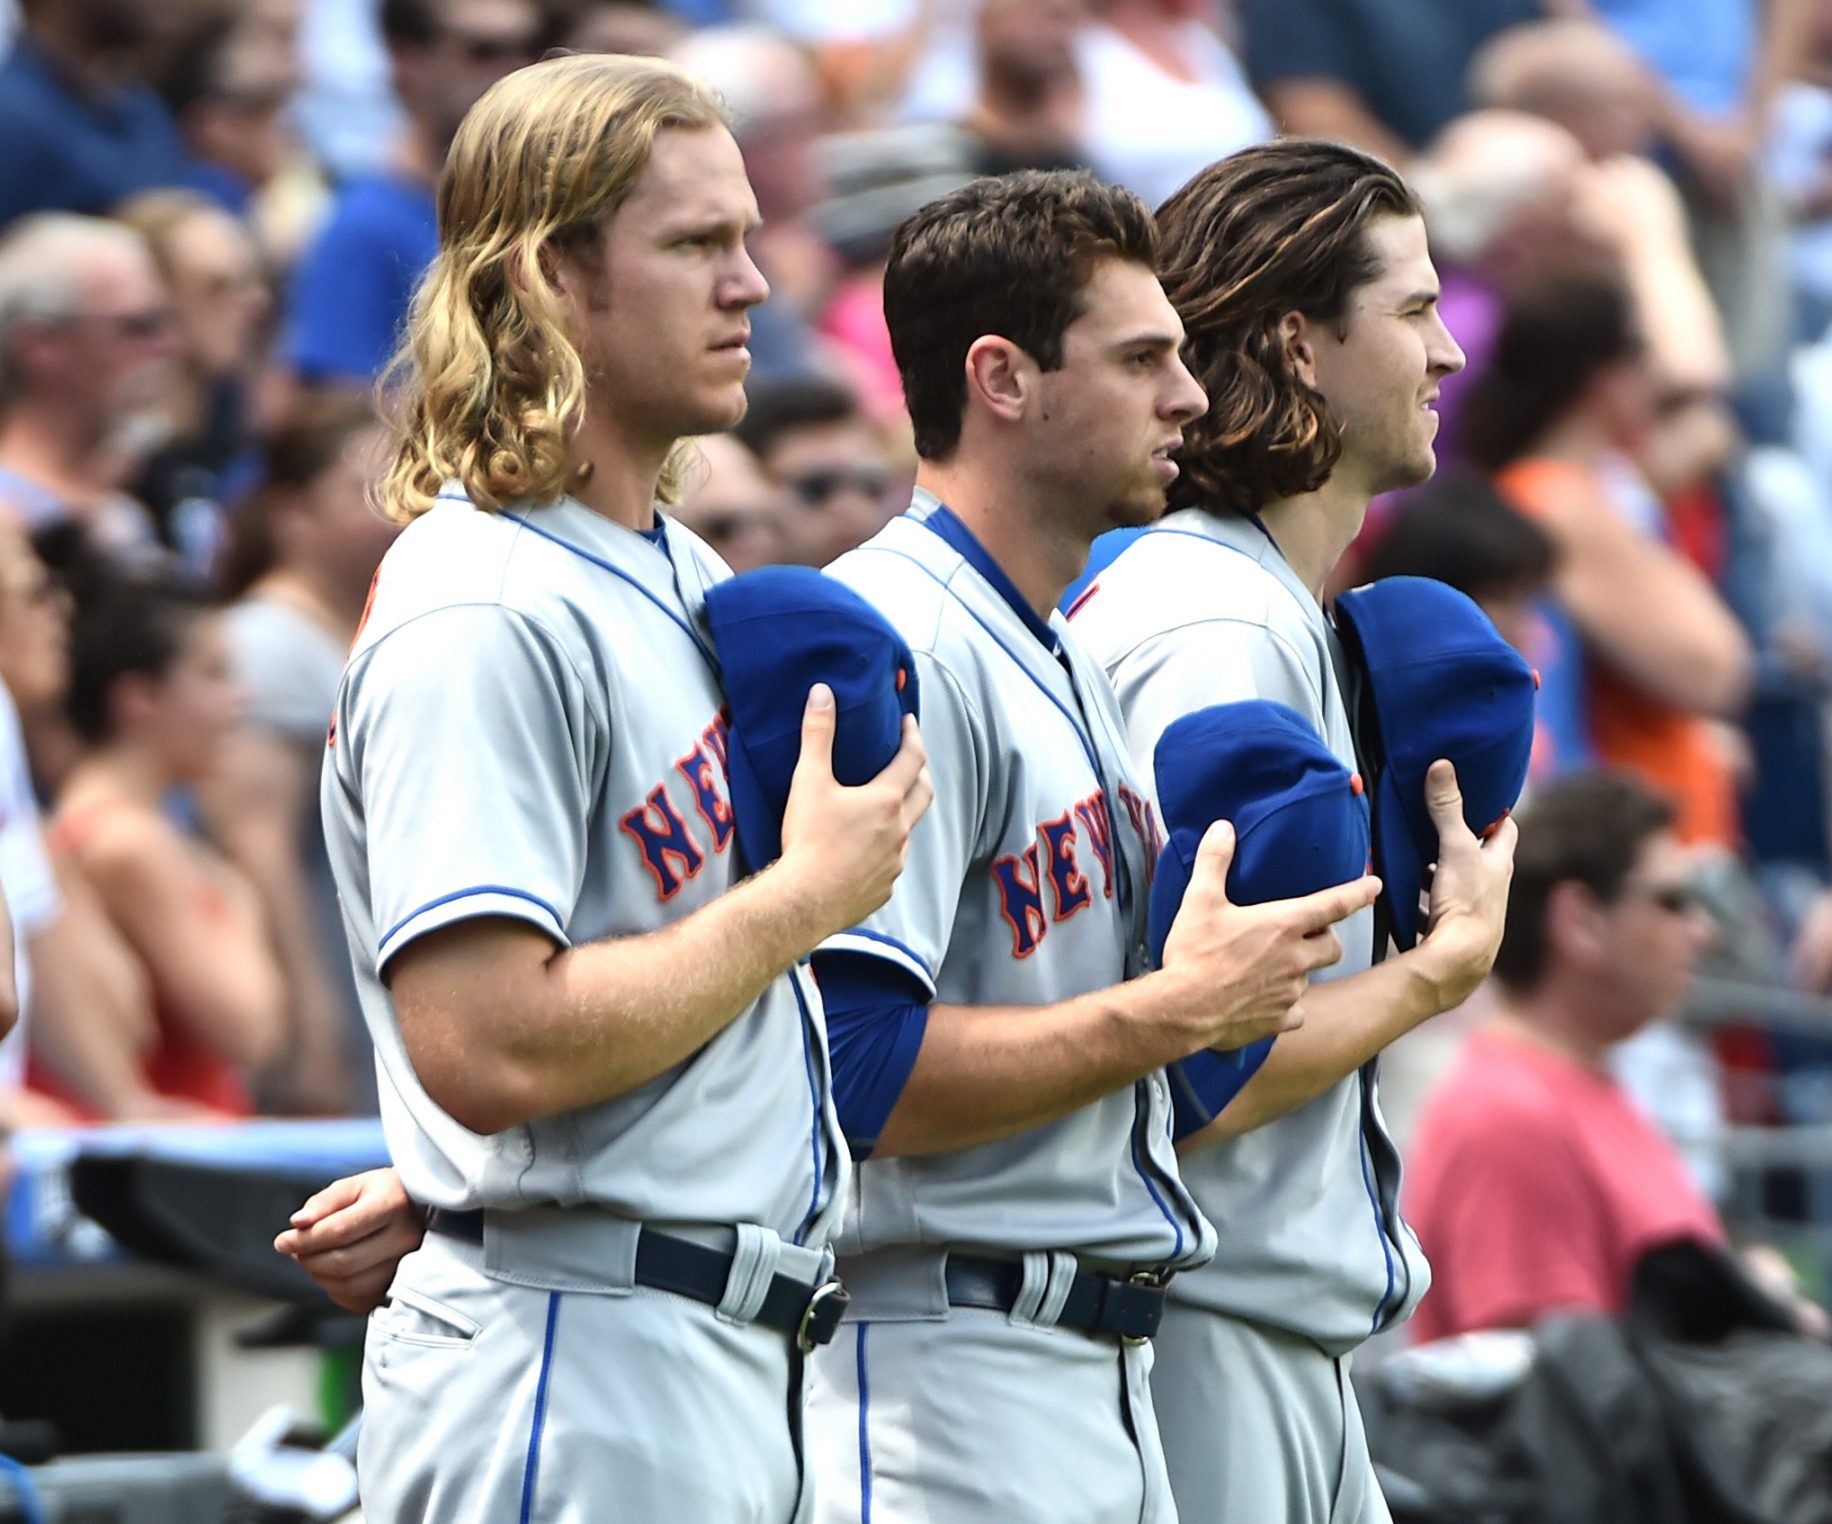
663 1263
1130 1308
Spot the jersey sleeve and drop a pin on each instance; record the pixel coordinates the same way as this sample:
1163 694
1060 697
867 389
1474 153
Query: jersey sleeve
914 928
1216 661
472 745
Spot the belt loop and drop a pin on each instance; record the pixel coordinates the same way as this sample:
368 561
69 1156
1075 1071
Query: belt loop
754 1260
1048 1275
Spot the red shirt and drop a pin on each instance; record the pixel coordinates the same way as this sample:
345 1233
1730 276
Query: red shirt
1535 1184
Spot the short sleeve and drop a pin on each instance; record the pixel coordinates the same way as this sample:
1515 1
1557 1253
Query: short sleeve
913 930
1216 661
290 685
471 747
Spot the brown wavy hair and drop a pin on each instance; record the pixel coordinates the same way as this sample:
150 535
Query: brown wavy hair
1273 229
487 385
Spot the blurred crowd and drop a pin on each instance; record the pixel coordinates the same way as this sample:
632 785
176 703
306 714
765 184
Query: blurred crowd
213 214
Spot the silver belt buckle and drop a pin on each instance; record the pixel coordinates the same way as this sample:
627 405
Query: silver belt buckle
805 1339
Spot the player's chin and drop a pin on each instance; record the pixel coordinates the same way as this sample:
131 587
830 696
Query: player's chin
1144 505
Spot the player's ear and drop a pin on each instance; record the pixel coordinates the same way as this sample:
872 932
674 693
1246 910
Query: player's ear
1294 339
1001 377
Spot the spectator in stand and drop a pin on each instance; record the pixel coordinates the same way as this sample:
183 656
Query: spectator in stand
1385 75
351 289
729 503
304 554
228 78
222 301
81 128
89 1005
1567 399
88 348
623 26
1580 74
1533 1181
1798 157
1030 109
816 443
153 695
1164 96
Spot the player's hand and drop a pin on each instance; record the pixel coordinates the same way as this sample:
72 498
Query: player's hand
842 848
1469 893
350 1237
1241 969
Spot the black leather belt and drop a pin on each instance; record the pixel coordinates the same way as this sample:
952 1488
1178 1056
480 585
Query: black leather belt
663 1263
1122 1308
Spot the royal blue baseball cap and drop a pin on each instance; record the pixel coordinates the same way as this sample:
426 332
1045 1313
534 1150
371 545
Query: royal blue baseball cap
1300 818
1300 825
778 631
1438 681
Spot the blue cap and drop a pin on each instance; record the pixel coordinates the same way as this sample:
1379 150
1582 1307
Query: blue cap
778 631
1300 821
1439 681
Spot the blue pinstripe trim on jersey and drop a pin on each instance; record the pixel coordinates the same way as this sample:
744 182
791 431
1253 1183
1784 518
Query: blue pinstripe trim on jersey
878 936
1140 1093
532 1469
814 1095
1075 722
864 1430
616 571
459 894
1380 1226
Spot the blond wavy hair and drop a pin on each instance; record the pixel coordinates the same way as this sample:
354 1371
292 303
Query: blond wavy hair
487 385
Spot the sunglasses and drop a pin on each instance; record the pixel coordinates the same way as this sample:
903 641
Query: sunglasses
147 323
1674 899
481 48
816 488
728 526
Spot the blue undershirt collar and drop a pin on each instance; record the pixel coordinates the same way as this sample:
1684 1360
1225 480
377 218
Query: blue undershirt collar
942 520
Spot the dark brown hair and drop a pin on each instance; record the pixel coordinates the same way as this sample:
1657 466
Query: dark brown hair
1278 228
1010 256
293 456
1559 333
1588 828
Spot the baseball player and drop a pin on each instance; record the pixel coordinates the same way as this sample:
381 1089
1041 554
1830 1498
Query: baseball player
601 1065
1301 272
1017 1207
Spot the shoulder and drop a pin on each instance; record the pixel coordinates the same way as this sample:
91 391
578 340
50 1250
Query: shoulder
1495 1099
909 593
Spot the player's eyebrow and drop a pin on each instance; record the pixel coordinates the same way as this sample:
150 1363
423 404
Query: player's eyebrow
1423 297
1158 341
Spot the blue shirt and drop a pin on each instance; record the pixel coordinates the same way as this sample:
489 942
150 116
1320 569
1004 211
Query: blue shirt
64 151
1406 59
1704 49
350 293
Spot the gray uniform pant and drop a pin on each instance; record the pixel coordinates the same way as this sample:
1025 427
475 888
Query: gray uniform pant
977 1418
1259 1426
487 1402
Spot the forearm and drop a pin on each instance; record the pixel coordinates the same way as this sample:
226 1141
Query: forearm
1323 108
986 1072
1346 1023
588 1023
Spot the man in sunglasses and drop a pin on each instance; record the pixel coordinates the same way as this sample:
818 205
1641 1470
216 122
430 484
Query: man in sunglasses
815 441
1527 1127
353 284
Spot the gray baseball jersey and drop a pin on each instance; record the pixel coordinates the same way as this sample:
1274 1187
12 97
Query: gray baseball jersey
529 726
1314 1255
1204 610
1026 884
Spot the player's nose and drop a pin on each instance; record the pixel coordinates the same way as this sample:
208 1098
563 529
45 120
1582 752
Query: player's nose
746 285
1187 401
